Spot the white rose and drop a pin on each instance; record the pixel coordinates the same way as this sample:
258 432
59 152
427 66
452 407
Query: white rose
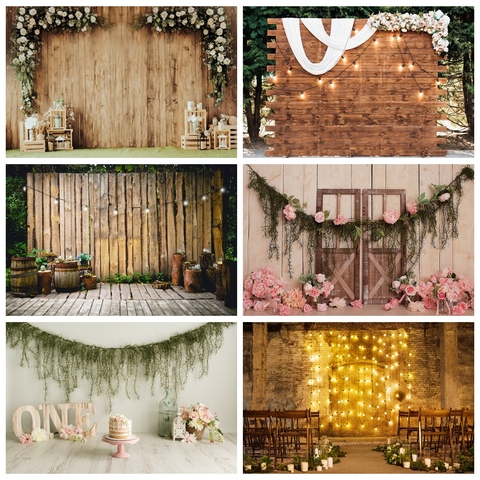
33 12
79 15
219 69
23 31
19 25
87 9
37 32
205 32
149 19
219 31
209 12
21 11
220 11
93 19
155 10
191 9
164 15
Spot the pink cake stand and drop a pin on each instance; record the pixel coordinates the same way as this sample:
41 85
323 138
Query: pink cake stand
120 453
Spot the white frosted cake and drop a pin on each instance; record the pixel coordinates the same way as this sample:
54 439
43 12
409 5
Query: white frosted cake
119 427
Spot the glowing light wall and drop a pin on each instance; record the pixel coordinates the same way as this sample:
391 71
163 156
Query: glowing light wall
360 380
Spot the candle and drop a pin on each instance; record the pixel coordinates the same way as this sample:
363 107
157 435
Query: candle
263 466
414 457
304 466
191 105
330 462
248 467
325 463
428 462
199 106
316 451
406 464
291 467
401 451
319 468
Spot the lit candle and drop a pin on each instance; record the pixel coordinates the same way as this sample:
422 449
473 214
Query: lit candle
414 457
263 466
291 467
428 462
319 468
330 462
325 463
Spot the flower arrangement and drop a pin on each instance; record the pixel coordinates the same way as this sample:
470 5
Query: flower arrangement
30 22
260 285
316 285
75 434
446 285
294 298
214 25
84 257
37 435
198 416
433 23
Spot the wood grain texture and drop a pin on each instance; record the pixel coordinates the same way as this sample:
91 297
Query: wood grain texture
105 215
152 454
129 88
371 108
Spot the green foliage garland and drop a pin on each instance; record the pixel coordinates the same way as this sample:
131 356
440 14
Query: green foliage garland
409 230
167 363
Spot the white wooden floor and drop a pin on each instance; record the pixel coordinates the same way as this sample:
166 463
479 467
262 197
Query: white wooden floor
119 300
152 454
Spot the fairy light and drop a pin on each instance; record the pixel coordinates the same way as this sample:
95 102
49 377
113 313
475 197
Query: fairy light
302 95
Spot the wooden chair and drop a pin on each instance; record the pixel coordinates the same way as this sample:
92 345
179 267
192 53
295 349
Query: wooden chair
292 433
402 423
434 428
315 427
258 433
468 430
412 430
456 426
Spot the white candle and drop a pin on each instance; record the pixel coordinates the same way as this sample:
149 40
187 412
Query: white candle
319 468
199 106
406 464
191 105
316 451
401 451
414 457
330 462
263 466
304 466
291 467
325 463
428 462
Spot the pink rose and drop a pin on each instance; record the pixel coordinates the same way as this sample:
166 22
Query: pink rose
289 212
412 207
247 304
319 217
391 216
458 310
356 304
259 290
327 289
314 292
430 303
444 197
284 310
340 220
387 306
260 306
411 290
307 287
320 277
307 308
322 307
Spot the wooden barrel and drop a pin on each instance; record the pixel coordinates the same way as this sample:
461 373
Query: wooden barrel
23 276
45 282
66 277
177 268
193 281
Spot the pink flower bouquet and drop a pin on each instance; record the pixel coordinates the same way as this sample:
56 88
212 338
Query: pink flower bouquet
199 416
261 287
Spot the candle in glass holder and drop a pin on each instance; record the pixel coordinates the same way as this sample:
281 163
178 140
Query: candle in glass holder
427 462
330 462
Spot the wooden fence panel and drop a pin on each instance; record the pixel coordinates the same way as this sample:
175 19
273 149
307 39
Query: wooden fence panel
373 108
106 215
129 88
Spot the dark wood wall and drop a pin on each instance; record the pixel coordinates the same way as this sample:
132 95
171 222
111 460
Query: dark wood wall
373 108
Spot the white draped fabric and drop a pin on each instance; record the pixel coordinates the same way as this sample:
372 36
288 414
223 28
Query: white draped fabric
337 42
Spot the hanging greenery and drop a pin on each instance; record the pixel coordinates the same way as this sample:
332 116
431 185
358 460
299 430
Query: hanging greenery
167 363
436 216
29 23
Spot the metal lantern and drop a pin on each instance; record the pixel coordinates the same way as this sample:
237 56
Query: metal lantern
202 141
166 414
222 141
179 429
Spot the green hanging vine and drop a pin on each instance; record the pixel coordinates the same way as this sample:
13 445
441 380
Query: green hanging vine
167 363
410 227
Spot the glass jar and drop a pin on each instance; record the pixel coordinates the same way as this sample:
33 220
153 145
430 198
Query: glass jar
167 410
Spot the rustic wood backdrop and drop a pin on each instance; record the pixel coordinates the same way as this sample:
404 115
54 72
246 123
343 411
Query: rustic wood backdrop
105 215
304 181
129 89
372 109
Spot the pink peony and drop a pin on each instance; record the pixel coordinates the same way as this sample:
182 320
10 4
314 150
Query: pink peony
444 197
247 304
412 207
458 310
391 216
430 303
314 292
356 304
327 289
307 308
284 310
260 306
319 217
289 212
322 307
259 290
320 277
340 220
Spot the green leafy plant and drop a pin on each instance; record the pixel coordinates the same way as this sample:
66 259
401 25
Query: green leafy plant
167 363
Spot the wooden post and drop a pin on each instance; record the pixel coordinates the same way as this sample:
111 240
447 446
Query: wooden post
217 226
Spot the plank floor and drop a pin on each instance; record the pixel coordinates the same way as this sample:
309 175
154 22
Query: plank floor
119 300
152 454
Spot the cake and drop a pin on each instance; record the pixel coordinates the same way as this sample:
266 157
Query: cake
119 427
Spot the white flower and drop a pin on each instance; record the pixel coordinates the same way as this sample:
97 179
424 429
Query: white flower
78 14
220 11
210 12
33 12
226 61
37 32
23 31
21 11
337 302
219 68
86 9
223 25
155 10
39 435
205 32
149 19
219 31
164 15
93 19
191 9
19 25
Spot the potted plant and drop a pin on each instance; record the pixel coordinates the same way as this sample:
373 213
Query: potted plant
84 258
89 281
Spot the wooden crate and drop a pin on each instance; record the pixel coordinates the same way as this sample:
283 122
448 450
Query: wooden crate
188 125
55 145
190 142
29 145
231 131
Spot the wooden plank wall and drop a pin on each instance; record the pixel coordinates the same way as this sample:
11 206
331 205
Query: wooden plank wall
129 88
105 215
371 109
303 181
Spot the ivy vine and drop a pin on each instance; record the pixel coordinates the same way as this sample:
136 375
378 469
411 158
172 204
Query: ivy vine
434 216
167 363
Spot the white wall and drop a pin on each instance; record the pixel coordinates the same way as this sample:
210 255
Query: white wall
218 389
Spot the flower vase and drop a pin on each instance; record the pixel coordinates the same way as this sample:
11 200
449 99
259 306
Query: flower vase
443 307
198 433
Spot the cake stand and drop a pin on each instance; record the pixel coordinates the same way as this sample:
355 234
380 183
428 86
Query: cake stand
120 453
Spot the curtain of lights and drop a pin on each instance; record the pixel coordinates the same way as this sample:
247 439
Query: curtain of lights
359 380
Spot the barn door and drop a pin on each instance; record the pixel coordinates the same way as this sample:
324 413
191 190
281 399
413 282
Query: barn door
337 260
381 263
